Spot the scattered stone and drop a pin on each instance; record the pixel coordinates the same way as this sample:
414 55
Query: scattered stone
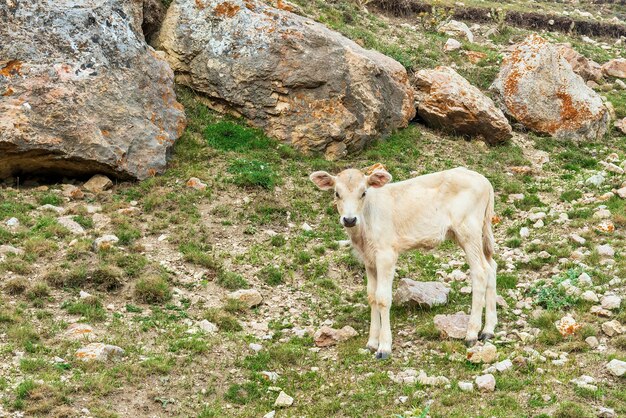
84 295
105 242
426 380
615 68
621 125
475 56
540 90
482 353
486 383
79 331
616 367
407 377
622 192
196 183
452 326
53 208
602 214
207 326
600 311
98 184
446 100
585 382
327 336
611 302
567 325
456 28
423 294
270 414
12 223
605 251
584 279
451 45
504 365
283 400
538 224
612 328
606 226
306 227
255 347
605 412
9 249
595 180
466 386
589 70
589 296
99 352
457 276
71 225
524 232
73 192
592 342
248 297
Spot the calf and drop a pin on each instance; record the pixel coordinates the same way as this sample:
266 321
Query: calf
384 220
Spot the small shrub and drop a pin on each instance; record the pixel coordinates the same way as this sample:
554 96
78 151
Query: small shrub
528 202
200 255
90 308
50 199
38 290
278 241
223 320
16 286
506 281
106 277
271 275
253 173
570 195
231 281
152 289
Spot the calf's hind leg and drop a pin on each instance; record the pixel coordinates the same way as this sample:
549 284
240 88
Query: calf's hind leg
491 316
474 255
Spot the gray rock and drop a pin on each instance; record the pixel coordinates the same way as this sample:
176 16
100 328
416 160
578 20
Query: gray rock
611 302
424 294
612 328
537 87
605 412
99 352
207 326
57 209
456 28
283 400
452 326
486 353
9 249
592 342
289 75
486 383
466 386
104 242
83 93
71 225
445 100
616 367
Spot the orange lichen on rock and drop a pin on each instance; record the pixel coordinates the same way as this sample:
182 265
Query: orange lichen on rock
226 9
369 170
567 326
11 68
283 6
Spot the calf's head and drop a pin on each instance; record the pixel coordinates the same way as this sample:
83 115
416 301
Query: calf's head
350 188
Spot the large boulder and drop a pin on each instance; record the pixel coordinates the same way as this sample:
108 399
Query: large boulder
81 92
291 76
537 87
584 67
448 101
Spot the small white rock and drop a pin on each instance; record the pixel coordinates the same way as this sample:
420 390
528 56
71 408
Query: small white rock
283 400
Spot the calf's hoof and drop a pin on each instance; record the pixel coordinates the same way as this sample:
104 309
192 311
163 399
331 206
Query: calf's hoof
382 355
471 342
485 336
372 346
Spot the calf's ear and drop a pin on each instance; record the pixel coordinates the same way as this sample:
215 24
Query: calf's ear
323 180
378 178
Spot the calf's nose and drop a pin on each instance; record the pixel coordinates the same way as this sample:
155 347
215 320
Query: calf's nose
349 222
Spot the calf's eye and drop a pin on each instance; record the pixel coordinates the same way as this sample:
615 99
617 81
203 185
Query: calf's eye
363 195
337 195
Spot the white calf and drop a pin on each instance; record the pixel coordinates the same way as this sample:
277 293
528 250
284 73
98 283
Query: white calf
422 212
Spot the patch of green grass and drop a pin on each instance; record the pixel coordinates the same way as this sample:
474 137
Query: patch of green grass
50 199
528 202
278 241
569 409
90 308
231 280
253 173
271 275
152 289
199 254
570 195
244 393
506 281
223 320
229 136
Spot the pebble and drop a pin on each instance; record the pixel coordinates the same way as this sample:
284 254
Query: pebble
306 227
283 400
503 366
482 353
249 297
466 386
255 347
196 183
589 296
207 326
577 239
486 383
596 180
104 242
616 367
98 183
12 223
585 382
592 342
612 328
611 302
99 352
524 232
605 250
327 336
270 414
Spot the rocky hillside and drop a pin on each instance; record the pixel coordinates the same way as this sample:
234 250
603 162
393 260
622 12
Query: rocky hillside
220 283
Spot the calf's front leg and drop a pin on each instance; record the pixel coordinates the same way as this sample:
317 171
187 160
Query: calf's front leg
372 343
385 267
